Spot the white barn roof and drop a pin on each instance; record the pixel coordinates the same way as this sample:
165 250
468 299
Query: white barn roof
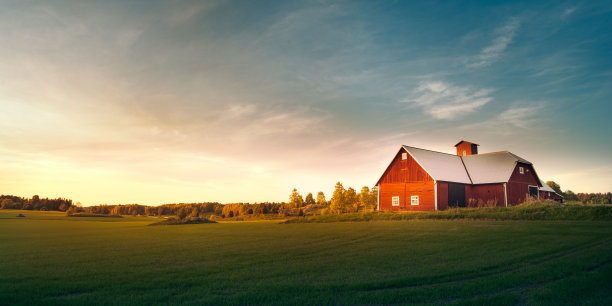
488 168
545 187
441 166
493 167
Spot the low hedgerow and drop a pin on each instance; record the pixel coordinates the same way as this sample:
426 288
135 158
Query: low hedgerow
93 215
173 221
532 211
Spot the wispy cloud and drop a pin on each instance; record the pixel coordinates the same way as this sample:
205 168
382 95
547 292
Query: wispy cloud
568 11
446 101
185 11
493 52
518 116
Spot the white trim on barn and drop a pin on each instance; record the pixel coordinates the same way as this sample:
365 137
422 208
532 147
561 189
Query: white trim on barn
436 195
505 195
378 197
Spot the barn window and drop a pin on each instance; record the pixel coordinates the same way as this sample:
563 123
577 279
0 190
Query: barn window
414 200
404 155
521 170
395 201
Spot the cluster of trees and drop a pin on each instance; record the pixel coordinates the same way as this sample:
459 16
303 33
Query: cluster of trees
342 200
585 198
589 198
297 201
348 200
245 209
35 203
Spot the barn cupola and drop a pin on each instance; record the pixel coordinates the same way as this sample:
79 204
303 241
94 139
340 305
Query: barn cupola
465 148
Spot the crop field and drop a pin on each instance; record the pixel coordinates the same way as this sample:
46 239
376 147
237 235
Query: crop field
48 258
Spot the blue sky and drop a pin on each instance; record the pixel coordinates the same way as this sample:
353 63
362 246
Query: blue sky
185 101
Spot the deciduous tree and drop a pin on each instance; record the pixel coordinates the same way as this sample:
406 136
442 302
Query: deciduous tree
309 199
295 199
321 198
555 187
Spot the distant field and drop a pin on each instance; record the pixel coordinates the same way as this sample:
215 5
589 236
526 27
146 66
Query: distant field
47 258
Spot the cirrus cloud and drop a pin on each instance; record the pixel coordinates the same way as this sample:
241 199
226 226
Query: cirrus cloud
446 101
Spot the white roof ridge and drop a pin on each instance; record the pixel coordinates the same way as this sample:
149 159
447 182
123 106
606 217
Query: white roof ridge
430 150
466 170
498 152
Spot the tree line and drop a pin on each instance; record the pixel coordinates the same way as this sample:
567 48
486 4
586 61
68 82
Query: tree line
585 198
35 203
343 200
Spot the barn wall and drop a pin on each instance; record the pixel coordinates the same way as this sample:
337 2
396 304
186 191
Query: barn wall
425 191
404 171
485 192
518 185
528 178
550 195
442 195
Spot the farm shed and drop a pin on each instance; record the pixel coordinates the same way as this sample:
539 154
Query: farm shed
420 180
546 192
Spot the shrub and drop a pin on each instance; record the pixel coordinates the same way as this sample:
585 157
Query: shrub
182 213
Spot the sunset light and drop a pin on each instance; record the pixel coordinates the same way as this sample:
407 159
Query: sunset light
152 103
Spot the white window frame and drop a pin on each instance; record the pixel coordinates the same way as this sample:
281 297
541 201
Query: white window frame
414 200
395 200
521 170
404 156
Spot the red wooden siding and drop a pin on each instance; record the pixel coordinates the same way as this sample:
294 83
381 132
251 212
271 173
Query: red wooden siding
546 195
442 195
550 195
403 171
469 148
518 185
485 192
425 191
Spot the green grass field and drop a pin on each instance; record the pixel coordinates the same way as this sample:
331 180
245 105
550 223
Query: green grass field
47 258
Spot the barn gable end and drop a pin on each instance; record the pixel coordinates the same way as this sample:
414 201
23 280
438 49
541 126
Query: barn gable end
404 170
403 180
518 184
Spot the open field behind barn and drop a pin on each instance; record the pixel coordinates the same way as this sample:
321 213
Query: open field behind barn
48 258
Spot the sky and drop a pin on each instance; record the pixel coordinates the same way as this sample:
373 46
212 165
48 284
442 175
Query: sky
154 102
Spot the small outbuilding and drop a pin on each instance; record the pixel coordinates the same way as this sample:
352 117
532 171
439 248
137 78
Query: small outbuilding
546 192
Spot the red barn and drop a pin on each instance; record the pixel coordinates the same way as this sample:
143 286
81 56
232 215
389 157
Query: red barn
419 179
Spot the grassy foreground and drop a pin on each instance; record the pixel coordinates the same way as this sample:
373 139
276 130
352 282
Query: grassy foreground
47 258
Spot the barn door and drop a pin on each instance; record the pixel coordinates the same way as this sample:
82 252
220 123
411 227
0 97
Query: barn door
533 191
456 195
